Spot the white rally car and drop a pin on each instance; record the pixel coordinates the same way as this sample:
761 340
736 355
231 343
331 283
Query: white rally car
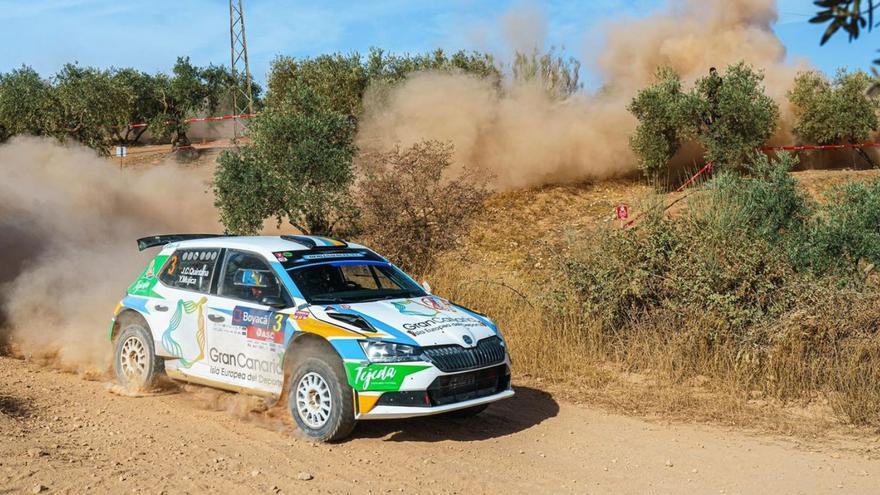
337 329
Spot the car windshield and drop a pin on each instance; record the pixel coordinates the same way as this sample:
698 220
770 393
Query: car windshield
352 281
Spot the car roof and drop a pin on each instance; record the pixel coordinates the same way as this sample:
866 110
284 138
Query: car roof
261 244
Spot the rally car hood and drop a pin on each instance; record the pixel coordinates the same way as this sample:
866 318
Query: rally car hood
424 321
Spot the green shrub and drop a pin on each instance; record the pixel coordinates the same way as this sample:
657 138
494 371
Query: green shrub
728 115
748 250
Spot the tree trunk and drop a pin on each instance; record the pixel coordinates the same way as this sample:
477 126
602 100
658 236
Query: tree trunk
864 154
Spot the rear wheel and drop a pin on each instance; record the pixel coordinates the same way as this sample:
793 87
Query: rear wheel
320 398
136 363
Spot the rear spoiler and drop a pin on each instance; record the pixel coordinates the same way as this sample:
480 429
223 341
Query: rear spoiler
161 240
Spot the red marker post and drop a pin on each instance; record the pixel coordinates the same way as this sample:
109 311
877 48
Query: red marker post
623 215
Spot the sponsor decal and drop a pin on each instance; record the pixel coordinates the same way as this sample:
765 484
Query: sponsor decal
266 326
414 308
439 323
145 284
301 314
240 366
436 303
324 256
170 341
151 268
380 377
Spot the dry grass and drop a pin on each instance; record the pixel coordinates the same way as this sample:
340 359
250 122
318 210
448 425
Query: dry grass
807 382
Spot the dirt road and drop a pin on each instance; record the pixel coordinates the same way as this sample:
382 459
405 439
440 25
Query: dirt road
62 434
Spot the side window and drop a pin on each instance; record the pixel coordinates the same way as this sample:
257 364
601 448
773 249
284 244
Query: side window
190 269
247 276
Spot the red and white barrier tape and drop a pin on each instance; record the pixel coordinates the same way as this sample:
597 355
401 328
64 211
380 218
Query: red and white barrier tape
203 119
708 166
819 147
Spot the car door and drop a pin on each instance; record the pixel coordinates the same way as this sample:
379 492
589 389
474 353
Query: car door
247 330
180 331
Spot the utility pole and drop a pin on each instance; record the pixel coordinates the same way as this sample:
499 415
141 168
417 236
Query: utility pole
242 95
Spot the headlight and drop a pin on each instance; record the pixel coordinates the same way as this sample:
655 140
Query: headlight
389 352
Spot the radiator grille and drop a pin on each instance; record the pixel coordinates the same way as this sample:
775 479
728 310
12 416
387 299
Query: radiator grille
449 358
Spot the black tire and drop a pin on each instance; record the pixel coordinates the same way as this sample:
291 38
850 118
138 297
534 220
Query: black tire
137 338
467 412
340 420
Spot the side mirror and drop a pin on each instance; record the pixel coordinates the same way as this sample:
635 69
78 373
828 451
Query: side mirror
426 286
273 302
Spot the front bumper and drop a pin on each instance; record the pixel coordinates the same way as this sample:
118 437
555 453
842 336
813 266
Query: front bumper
400 412
432 391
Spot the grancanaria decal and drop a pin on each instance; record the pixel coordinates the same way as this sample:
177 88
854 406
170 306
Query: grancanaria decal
414 308
173 347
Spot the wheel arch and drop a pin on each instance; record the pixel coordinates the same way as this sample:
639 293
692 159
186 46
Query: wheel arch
302 344
126 316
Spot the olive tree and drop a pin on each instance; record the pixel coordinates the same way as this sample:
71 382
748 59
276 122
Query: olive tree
391 68
342 80
734 114
187 91
25 103
141 103
90 106
835 111
339 80
664 113
298 168
729 115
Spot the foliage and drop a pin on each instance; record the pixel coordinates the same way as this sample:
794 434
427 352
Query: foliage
141 104
24 103
411 208
835 111
382 67
846 14
95 106
729 115
663 112
89 106
559 77
341 80
736 115
766 203
188 90
750 250
845 239
298 167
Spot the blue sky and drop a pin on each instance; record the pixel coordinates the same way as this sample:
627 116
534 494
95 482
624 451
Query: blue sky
149 35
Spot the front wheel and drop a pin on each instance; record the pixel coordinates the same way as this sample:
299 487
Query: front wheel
135 360
320 399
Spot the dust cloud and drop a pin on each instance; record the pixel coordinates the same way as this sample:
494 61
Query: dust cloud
68 224
525 138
